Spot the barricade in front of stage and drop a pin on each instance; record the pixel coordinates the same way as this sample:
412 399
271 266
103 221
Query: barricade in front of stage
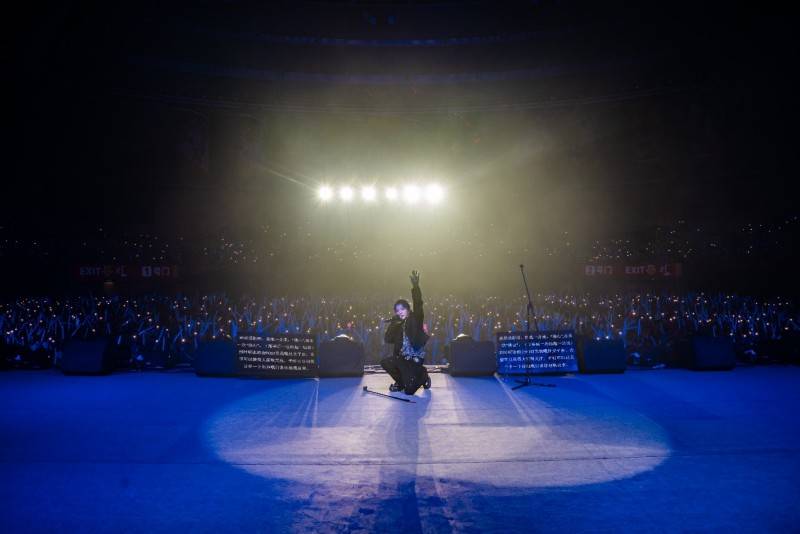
704 353
712 353
342 356
785 349
696 352
602 356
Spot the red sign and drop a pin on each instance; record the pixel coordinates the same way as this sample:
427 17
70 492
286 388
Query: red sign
126 272
640 270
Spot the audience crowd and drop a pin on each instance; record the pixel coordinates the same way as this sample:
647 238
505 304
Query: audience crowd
160 330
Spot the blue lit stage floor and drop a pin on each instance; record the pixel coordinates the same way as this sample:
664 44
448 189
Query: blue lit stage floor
644 451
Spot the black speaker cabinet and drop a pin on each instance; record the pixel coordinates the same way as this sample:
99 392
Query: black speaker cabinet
711 353
472 358
87 357
215 358
341 356
604 356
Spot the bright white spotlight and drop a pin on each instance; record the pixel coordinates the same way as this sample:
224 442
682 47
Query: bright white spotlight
434 193
411 194
368 193
325 193
391 193
346 193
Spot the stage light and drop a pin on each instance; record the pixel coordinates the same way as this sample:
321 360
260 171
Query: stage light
325 193
411 194
346 193
391 193
368 193
434 193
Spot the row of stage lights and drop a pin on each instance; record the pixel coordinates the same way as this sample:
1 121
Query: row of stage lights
410 194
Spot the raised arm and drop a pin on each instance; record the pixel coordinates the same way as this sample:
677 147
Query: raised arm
416 296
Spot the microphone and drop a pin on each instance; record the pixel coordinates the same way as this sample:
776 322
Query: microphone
392 320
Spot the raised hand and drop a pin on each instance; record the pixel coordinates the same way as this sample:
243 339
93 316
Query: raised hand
414 278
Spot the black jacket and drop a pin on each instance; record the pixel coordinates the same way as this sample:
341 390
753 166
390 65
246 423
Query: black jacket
412 324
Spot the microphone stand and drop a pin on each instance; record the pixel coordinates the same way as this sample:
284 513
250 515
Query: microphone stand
528 313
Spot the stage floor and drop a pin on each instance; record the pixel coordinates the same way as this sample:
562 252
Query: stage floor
646 451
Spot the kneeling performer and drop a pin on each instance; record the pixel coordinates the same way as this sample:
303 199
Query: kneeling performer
406 332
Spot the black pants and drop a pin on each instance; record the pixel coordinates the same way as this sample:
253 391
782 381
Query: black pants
410 375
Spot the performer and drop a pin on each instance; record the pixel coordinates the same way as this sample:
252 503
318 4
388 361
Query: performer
407 333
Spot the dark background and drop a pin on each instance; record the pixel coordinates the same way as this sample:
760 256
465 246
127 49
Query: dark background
564 133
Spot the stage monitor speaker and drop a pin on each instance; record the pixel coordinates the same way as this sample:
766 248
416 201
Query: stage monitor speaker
472 358
711 353
341 356
215 358
603 356
87 357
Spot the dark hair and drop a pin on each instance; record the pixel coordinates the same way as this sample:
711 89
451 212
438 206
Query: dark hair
404 303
